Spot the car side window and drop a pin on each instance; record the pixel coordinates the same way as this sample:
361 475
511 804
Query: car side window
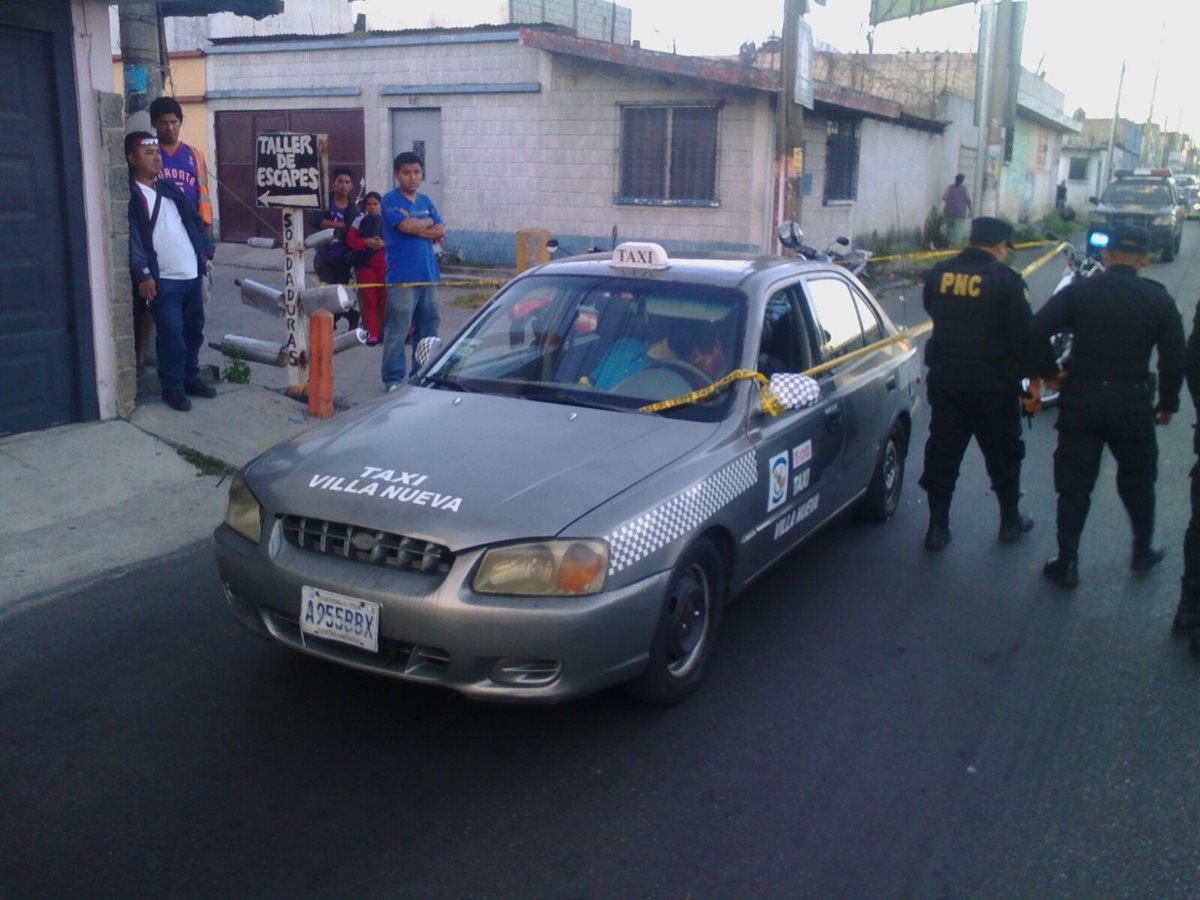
835 312
783 347
871 326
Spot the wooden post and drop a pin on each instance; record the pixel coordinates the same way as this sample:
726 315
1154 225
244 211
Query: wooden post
296 341
320 385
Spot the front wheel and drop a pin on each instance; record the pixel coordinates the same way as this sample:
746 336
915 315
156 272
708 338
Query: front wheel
1172 248
882 498
687 627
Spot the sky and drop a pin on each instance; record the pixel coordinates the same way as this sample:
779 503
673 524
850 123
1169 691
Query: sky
1081 53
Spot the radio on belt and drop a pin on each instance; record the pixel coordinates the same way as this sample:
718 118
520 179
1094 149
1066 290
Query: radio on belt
640 255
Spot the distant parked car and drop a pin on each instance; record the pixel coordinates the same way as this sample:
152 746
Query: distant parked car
1190 186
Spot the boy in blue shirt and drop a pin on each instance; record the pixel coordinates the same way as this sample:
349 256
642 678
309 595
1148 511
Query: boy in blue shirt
411 225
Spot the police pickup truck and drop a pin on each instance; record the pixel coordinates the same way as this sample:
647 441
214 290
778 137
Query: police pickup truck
1147 198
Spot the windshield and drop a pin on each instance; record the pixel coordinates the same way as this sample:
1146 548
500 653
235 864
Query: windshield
609 342
1143 193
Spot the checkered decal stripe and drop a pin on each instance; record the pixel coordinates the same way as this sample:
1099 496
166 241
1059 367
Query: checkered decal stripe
653 530
795 391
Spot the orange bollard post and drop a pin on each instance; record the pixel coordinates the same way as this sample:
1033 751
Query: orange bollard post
320 371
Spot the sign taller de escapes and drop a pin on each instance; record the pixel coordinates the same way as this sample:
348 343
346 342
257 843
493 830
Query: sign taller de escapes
291 172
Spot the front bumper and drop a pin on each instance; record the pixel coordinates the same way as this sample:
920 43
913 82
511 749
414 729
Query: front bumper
436 630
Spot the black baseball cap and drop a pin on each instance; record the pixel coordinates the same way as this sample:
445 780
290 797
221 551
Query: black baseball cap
987 231
1129 239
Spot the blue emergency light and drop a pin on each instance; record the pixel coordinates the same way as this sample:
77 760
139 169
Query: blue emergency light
1098 239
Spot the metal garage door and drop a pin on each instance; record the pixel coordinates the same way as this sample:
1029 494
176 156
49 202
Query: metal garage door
46 359
236 129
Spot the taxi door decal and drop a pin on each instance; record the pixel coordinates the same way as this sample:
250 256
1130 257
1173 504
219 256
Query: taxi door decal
655 528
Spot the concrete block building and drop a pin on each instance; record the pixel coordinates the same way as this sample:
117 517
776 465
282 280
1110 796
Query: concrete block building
519 126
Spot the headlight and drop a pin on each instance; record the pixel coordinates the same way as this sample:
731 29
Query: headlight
1163 220
545 568
242 511
1097 218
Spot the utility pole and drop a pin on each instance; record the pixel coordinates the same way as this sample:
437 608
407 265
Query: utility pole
789 122
142 61
1112 133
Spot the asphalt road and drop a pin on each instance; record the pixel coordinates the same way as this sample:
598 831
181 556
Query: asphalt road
877 722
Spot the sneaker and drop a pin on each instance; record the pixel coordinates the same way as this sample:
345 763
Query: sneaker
1145 560
176 400
394 386
1063 572
937 537
1014 529
372 341
199 389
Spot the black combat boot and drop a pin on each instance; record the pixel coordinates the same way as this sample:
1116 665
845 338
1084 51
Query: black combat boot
1145 557
938 535
1014 524
1063 569
1187 614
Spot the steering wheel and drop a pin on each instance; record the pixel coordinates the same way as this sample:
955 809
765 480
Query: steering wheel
694 377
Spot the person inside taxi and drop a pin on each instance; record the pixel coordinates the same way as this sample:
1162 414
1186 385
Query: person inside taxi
666 340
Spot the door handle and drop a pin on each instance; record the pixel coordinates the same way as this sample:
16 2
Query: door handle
891 382
833 418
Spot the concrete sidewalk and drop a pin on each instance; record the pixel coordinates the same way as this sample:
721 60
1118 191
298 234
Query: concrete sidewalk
81 501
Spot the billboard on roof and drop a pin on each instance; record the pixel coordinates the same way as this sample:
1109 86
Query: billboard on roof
886 10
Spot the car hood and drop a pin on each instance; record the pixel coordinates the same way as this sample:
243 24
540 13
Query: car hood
467 469
1135 209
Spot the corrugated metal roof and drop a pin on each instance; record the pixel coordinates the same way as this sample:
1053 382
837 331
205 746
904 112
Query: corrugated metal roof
350 36
717 70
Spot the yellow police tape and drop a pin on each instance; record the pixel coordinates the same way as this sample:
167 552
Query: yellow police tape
937 254
486 282
770 402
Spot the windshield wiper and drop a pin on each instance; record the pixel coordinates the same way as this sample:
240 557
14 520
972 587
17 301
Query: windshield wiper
449 383
573 398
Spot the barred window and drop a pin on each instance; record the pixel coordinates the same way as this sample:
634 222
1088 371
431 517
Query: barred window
841 159
669 154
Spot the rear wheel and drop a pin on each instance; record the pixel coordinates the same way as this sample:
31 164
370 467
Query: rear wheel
687 627
883 494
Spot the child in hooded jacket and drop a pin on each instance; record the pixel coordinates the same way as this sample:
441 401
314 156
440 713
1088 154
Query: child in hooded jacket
365 238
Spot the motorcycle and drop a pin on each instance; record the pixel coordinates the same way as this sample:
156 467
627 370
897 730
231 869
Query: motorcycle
839 250
1079 265
792 238
845 255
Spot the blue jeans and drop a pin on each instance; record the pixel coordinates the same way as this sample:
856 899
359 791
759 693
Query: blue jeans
416 305
178 313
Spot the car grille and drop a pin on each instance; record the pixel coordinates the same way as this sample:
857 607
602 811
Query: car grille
394 657
367 545
1118 220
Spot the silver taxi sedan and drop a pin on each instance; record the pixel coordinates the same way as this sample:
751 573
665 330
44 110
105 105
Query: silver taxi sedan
572 487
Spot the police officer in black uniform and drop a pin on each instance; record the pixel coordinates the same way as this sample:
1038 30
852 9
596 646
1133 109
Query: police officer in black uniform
1116 319
1187 616
980 312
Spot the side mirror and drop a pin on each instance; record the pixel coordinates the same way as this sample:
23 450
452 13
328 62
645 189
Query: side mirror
795 391
843 240
427 349
1093 199
790 234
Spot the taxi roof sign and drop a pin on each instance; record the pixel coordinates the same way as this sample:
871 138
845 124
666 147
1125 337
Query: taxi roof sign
640 255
